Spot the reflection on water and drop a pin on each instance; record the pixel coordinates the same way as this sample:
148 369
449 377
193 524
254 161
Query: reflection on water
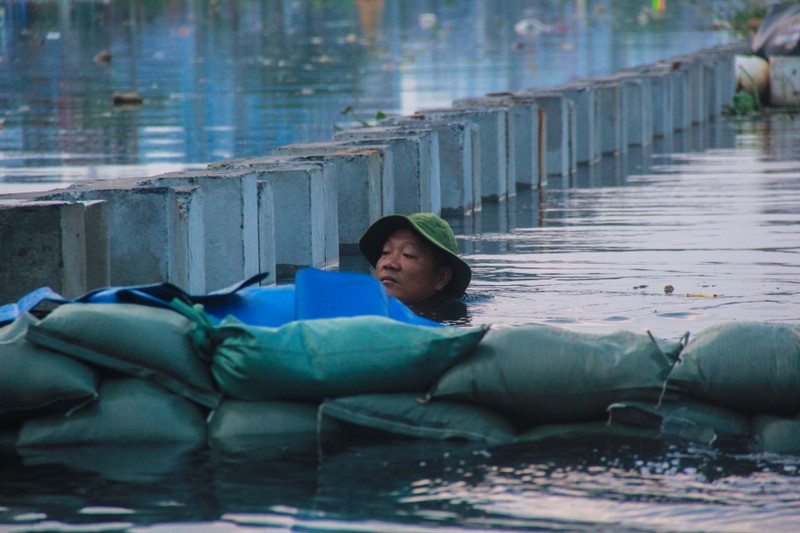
575 485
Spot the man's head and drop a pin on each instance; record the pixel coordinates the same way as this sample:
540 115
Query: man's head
415 257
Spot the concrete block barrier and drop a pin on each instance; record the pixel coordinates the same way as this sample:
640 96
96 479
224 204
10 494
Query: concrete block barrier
415 158
459 160
60 244
308 203
231 224
491 124
364 183
305 226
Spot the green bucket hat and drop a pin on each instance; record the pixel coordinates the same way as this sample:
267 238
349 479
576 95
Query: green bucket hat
434 230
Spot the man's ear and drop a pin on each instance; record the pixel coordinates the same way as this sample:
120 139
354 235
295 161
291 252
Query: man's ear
443 277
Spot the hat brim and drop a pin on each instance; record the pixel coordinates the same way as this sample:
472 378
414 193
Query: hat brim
371 245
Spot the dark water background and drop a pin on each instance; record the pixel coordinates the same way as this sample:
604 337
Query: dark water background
713 211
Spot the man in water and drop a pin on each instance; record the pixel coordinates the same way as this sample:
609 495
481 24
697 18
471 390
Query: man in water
415 258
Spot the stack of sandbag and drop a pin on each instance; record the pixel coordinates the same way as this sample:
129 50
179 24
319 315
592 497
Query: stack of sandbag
305 362
736 383
106 373
525 383
92 373
751 368
157 372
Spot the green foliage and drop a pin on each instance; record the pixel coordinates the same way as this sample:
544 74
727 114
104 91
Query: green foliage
348 110
743 104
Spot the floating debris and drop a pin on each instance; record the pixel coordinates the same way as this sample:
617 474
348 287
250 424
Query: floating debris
127 98
103 57
428 21
529 26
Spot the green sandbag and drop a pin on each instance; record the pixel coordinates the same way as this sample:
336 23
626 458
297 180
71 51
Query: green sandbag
691 419
34 380
137 340
310 360
129 410
776 435
404 414
748 366
238 426
543 374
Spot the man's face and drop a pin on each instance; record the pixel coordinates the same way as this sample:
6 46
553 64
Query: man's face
407 268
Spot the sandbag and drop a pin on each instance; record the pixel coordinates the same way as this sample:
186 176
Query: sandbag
776 435
752 367
310 360
542 374
404 414
689 419
137 340
34 380
129 410
237 426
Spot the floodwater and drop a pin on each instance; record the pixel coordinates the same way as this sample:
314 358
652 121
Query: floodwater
712 212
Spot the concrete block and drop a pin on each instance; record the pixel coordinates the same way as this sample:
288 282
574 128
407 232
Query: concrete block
98 266
46 243
697 91
560 156
525 151
726 60
267 251
587 119
508 112
415 156
612 129
305 217
784 80
681 99
713 90
491 124
660 80
639 109
458 172
231 224
186 216
364 184
145 244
